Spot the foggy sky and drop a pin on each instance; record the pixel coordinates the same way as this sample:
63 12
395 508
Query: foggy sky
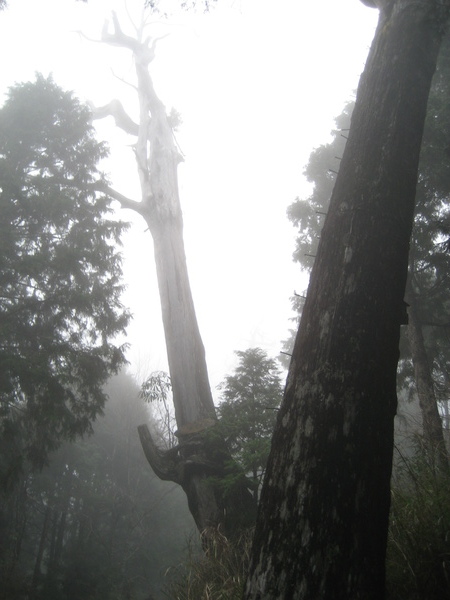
258 85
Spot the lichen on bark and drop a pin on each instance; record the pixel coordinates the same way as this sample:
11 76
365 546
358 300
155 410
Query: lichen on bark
329 541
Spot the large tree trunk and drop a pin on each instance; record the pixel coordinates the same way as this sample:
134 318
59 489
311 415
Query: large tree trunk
322 524
189 377
201 459
433 433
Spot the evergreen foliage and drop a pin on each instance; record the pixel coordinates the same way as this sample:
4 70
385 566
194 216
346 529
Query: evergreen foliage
60 275
418 558
248 409
429 264
307 215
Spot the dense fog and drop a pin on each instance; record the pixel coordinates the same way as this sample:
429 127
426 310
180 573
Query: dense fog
220 261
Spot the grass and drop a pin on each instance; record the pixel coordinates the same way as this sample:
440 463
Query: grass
217 574
418 556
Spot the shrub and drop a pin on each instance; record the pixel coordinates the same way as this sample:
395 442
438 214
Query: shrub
418 558
217 574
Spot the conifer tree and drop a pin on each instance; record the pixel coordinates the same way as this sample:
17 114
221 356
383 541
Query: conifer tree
60 274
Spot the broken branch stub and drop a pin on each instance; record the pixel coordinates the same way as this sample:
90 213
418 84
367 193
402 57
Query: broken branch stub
164 463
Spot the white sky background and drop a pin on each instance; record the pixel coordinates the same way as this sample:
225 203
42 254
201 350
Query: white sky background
258 84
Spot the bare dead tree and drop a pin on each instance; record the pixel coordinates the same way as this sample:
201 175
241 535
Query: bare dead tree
201 457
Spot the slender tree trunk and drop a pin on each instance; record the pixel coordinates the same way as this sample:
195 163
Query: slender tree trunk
432 423
201 458
322 525
446 416
59 542
40 551
52 546
14 514
62 509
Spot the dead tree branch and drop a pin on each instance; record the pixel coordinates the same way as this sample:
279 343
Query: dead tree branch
116 110
164 463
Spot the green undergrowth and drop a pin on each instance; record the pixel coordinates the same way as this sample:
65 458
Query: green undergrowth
216 574
418 558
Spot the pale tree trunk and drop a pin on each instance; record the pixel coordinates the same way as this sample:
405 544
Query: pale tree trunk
61 513
322 524
201 456
433 433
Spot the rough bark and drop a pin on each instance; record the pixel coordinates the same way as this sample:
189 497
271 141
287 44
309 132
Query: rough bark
202 459
322 524
198 463
433 433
